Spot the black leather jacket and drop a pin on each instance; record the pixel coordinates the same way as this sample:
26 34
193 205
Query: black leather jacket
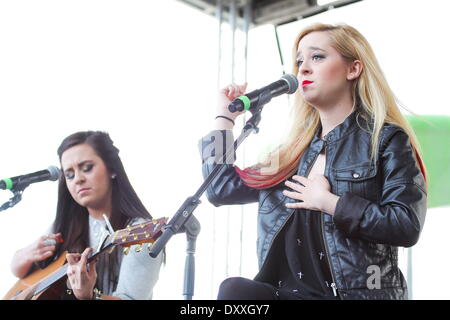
382 206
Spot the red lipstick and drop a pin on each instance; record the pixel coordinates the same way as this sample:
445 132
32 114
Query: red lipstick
306 82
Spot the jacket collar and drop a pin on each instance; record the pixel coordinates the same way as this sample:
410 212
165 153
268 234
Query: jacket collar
317 144
338 132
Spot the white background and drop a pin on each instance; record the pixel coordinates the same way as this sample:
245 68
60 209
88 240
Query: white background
146 72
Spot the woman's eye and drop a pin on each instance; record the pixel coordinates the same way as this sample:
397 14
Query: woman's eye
317 57
88 167
69 175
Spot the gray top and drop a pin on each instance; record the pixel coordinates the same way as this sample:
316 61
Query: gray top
138 272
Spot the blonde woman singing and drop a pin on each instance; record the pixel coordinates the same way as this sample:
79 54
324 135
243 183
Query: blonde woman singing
349 187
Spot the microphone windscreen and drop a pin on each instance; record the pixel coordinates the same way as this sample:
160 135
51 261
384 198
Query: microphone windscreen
54 173
291 81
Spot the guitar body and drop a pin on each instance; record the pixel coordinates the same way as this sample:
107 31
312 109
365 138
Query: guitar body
23 289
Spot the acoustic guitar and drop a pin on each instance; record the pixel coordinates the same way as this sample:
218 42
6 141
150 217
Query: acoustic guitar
49 283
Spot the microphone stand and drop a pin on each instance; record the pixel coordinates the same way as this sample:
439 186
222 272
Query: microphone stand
185 221
192 229
17 196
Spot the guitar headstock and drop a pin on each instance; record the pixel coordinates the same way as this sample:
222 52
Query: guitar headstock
147 232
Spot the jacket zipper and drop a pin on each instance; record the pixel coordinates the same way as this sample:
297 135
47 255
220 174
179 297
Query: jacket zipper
333 284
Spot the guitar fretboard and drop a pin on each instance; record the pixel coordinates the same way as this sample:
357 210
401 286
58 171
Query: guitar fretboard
47 282
62 272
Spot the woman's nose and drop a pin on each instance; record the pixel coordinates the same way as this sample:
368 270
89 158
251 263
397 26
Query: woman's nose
304 68
79 177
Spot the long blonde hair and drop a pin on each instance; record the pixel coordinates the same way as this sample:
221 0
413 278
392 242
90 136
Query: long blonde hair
377 101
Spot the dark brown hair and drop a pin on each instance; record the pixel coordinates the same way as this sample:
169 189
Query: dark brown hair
72 219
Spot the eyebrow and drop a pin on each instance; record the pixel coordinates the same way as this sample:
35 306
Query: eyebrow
82 163
311 48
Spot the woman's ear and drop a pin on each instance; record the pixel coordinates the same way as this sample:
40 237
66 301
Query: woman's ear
354 70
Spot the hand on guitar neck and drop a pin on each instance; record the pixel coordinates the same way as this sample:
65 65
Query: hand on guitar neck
81 275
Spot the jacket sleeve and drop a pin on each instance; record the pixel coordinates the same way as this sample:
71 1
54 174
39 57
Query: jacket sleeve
398 218
227 187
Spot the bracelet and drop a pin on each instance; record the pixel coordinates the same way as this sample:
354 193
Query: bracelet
226 118
97 294
69 295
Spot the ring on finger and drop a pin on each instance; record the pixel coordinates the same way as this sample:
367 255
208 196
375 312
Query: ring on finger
49 242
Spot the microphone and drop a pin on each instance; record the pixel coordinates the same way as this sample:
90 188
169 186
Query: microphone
287 84
21 182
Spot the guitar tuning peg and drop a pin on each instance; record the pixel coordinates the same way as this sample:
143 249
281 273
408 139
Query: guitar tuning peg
126 250
138 248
